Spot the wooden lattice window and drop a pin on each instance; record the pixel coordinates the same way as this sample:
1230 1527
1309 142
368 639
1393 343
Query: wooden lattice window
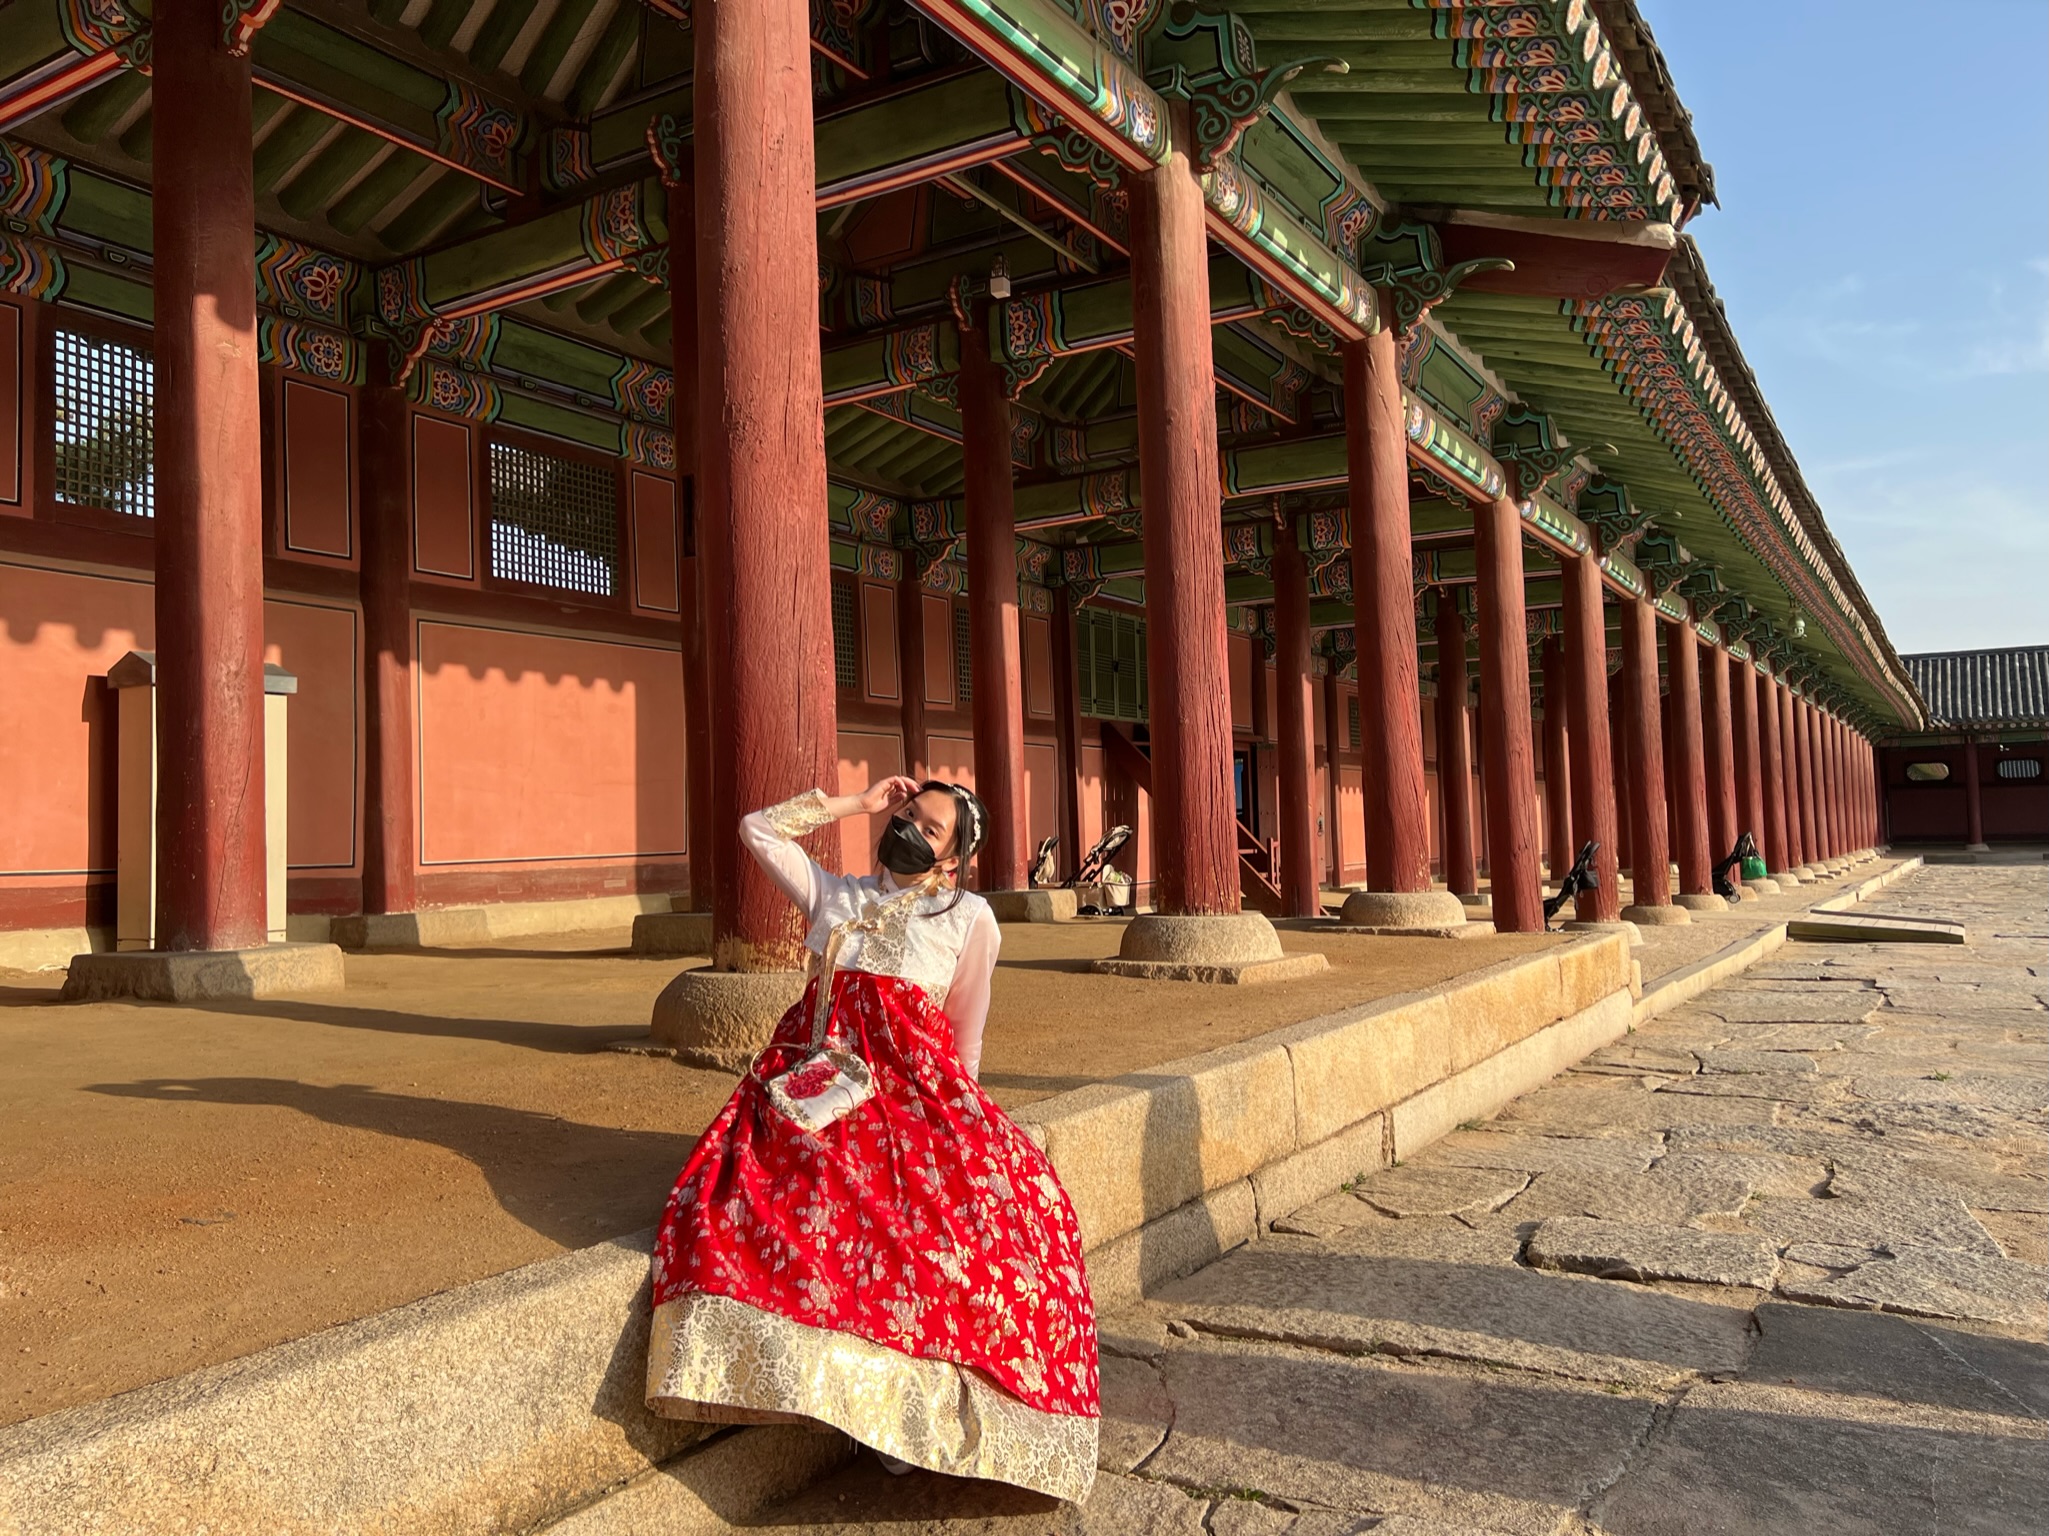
846 638
1352 721
963 657
1110 661
103 418
554 521
2020 768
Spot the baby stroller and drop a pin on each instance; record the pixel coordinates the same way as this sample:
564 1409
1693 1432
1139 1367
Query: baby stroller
1096 861
1581 877
1743 853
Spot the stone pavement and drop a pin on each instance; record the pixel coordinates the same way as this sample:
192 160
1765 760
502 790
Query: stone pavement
1774 1263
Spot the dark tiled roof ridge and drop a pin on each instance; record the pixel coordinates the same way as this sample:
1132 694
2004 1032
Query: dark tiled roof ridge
1994 685
1975 650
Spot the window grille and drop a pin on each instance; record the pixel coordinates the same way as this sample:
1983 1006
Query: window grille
2020 768
104 419
963 657
554 521
845 670
1352 720
1110 663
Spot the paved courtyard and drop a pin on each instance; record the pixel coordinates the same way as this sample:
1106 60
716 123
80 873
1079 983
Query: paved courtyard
1774 1263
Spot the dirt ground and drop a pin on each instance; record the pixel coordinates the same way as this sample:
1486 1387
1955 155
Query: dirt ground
184 1185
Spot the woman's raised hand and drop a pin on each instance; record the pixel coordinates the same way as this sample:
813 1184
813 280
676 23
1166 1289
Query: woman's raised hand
887 794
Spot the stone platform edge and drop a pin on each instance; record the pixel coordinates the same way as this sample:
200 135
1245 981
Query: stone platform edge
514 1403
1688 982
437 927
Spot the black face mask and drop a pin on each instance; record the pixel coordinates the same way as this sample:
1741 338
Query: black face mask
904 850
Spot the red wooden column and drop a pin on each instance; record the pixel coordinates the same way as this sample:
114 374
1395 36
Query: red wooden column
1195 836
1859 799
1586 704
1810 783
1750 763
1841 801
1384 620
1301 884
1333 726
1557 762
1671 779
1824 797
761 468
1789 770
1618 756
993 644
910 649
1508 764
1687 768
209 493
1718 746
1066 724
1650 870
693 600
1873 833
1803 777
1454 747
389 867
1774 786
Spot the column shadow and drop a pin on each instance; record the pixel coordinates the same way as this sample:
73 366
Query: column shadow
541 1168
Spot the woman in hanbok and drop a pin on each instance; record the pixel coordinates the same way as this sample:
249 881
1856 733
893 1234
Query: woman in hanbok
862 1239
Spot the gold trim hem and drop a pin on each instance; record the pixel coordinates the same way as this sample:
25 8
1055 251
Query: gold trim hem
800 814
716 1360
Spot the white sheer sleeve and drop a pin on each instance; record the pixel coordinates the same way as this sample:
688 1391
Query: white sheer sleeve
770 837
967 999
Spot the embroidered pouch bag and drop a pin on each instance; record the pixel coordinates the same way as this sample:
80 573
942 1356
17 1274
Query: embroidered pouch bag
832 1082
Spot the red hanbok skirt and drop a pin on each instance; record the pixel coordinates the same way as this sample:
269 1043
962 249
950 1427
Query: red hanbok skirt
911 1275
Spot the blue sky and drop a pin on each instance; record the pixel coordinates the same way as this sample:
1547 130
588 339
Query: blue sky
1883 252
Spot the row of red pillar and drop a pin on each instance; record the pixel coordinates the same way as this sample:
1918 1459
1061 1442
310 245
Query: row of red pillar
749 428
1727 749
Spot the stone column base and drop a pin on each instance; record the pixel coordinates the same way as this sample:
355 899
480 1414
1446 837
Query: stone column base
723 1019
196 975
1808 872
1403 912
1480 901
1033 906
409 930
1663 915
1762 887
672 933
1709 902
1234 949
1574 925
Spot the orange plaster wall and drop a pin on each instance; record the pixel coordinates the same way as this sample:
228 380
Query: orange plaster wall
1042 792
316 642
60 630
1239 648
13 432
1038 667
655 580
864 758
318 481
444 500
878 630
1351 820
951 757
538 748
1090 790
937 614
